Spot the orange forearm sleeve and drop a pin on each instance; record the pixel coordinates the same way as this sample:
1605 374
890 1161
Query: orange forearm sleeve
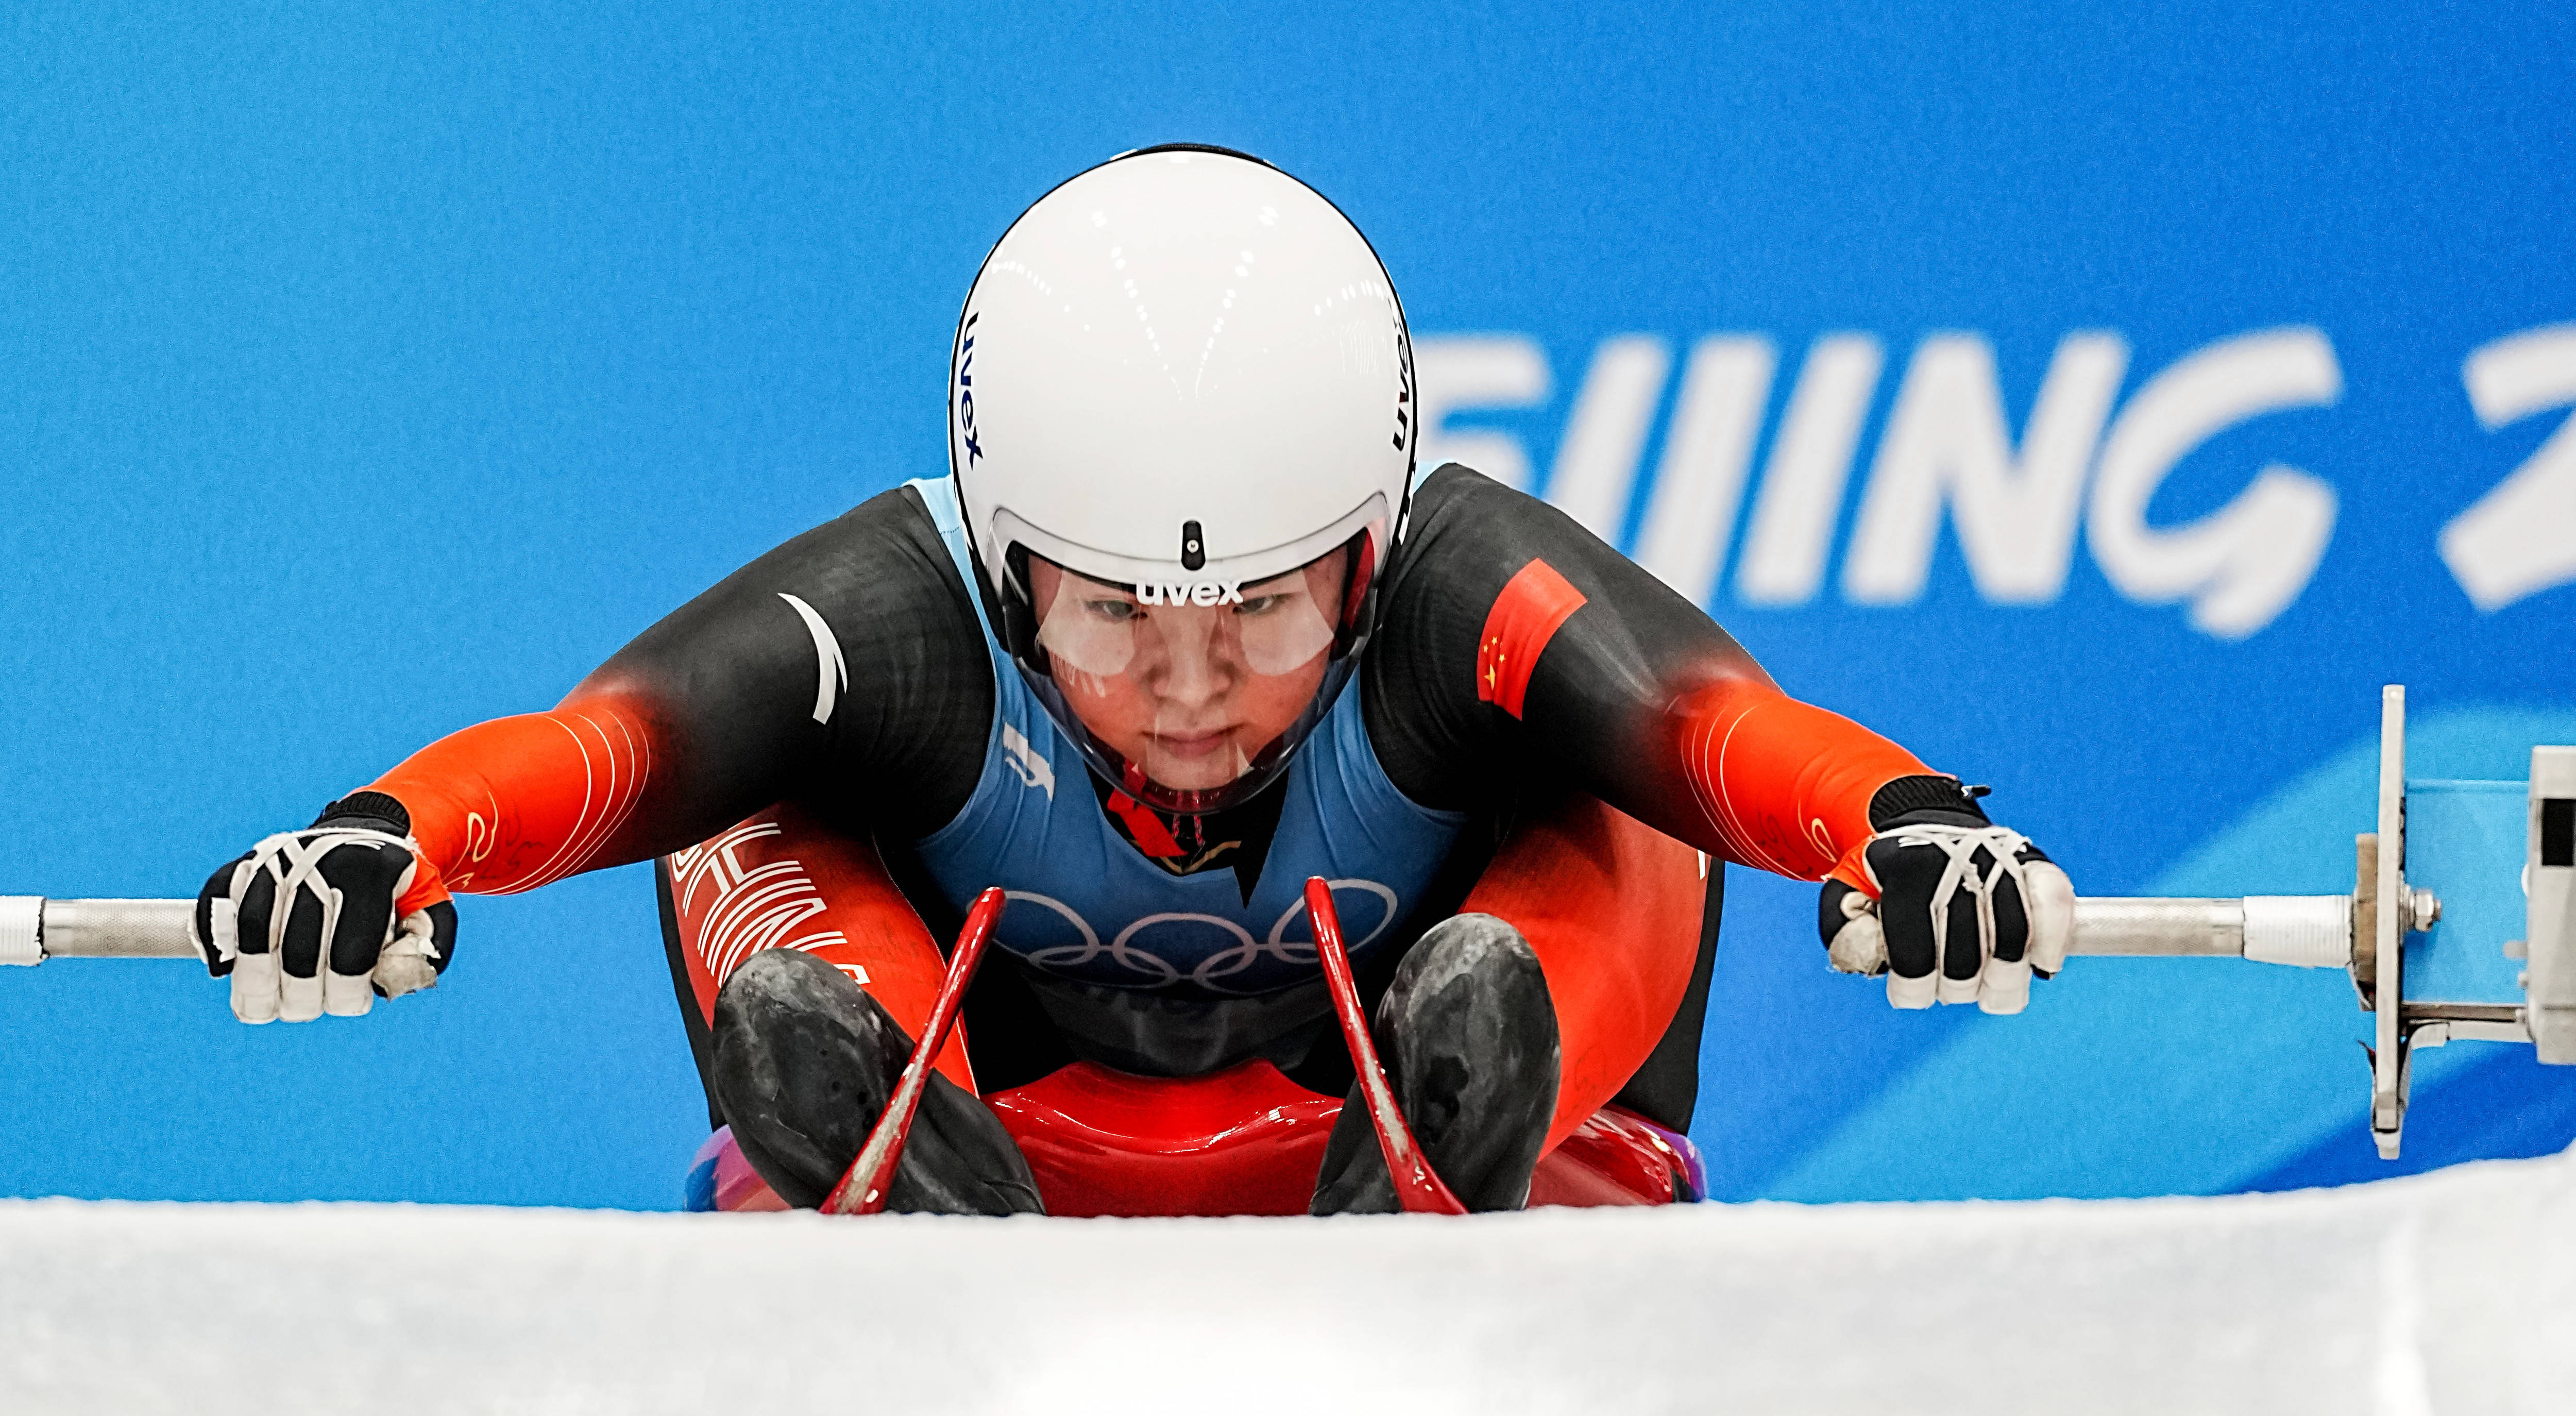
518 802
1786 784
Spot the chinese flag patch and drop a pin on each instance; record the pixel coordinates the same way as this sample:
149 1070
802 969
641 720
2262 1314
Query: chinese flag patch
1524 618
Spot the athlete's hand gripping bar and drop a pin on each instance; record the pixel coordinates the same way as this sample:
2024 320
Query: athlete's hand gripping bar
1416 1186
863 1189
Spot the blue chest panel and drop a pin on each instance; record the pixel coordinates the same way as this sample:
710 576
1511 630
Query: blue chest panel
1085 906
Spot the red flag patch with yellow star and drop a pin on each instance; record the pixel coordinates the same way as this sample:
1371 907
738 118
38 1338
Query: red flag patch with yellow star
1524 618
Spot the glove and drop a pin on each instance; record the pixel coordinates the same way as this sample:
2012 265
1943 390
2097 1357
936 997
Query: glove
1963 910
324 919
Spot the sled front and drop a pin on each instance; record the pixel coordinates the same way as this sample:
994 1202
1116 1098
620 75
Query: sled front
1242 1141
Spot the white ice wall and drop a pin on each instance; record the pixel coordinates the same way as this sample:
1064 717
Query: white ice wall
2451 1292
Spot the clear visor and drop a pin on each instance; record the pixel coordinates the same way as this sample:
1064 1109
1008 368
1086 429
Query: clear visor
1190 682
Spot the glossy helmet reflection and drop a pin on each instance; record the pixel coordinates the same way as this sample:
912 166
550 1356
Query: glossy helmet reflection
1182 426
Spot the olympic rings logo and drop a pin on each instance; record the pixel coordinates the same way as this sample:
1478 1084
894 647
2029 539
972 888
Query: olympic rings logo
1152 970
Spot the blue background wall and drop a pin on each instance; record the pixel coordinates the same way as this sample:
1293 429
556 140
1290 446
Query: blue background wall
366 372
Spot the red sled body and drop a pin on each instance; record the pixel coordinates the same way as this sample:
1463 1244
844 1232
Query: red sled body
1242 1141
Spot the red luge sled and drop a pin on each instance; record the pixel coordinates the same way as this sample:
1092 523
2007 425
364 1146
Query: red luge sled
1242 1141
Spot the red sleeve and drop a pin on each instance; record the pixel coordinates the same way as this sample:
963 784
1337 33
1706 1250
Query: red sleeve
1784 785
1779 785
518 802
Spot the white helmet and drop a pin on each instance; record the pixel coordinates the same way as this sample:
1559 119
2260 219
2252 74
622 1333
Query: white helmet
1180 374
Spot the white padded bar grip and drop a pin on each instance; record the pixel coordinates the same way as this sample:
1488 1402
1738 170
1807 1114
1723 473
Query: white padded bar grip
21 927
2309 931
2313 931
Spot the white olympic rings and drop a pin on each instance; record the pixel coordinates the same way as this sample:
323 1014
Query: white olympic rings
1154 970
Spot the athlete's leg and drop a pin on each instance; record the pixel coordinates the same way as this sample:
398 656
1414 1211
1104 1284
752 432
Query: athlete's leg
814 974
1511 1023
1612 909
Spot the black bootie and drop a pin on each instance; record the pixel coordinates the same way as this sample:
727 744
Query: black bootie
804 1063
1468 1037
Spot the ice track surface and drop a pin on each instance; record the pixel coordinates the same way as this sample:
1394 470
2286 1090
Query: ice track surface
2447 1292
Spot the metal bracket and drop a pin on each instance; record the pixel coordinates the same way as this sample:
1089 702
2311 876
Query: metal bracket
2386 887
2549 895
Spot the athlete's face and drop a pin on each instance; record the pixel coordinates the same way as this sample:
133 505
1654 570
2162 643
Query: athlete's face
1191 694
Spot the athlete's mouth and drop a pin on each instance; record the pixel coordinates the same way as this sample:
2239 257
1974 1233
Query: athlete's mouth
1191 746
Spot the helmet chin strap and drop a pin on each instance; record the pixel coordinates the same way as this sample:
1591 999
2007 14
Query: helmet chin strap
1133 783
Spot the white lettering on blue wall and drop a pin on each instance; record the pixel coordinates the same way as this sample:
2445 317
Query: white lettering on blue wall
2243 564
1948 455
2520 538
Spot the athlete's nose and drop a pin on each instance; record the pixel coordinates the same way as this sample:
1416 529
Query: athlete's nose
1197 670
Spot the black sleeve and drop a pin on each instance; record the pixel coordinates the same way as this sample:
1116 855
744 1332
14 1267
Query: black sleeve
734 680
1596 709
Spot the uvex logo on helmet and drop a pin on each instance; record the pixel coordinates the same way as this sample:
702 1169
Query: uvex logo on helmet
966 392
1404 384
1203 592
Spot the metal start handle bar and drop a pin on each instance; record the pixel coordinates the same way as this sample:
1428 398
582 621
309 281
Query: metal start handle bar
2313 931
34 929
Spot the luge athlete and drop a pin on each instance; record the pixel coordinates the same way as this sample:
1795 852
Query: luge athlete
1180 629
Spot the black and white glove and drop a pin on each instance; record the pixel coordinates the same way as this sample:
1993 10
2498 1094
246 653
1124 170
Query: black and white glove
326 919
1965 911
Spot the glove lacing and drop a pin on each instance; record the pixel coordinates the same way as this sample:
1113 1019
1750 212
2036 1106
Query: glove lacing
294 860
1961 844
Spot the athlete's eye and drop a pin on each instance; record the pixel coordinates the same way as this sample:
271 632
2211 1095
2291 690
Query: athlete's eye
1259 604
1120 611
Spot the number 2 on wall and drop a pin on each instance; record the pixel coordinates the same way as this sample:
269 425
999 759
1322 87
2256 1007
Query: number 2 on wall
2520 538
